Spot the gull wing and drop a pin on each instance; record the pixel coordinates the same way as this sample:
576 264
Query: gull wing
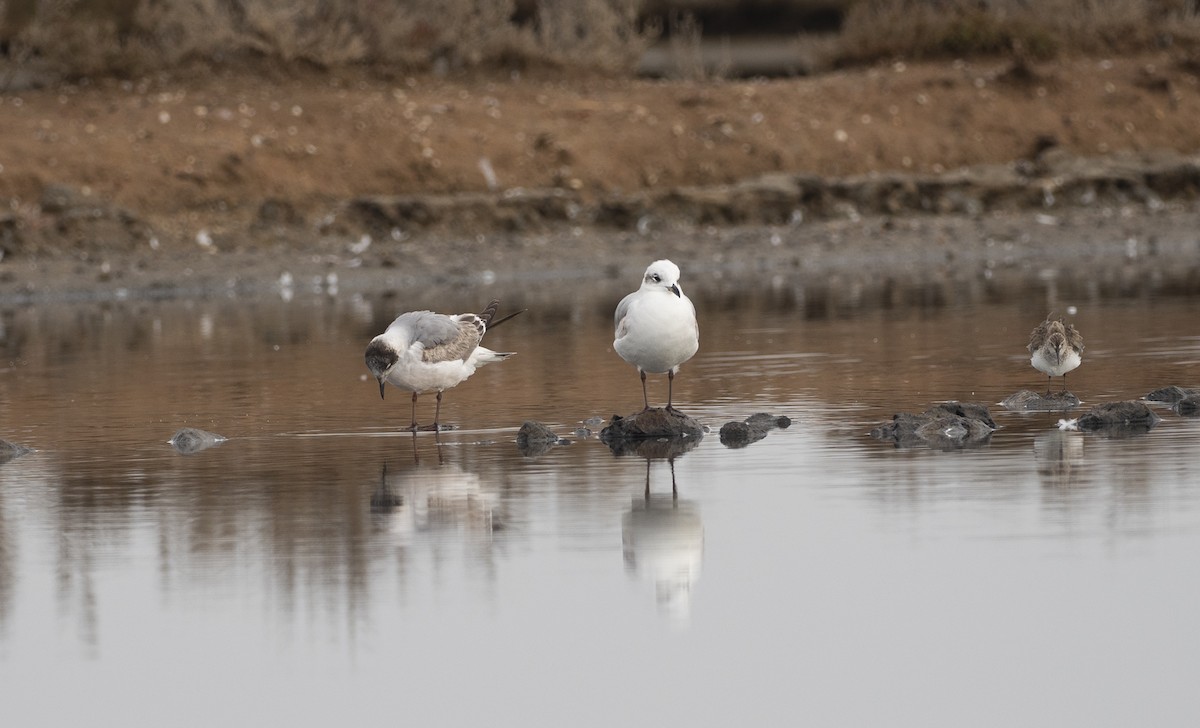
622 311
447 338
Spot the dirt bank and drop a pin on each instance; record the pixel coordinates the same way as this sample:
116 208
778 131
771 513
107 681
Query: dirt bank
233 179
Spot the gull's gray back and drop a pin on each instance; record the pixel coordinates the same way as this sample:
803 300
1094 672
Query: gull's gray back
444 338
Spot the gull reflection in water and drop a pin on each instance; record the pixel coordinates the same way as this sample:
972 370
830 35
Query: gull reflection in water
425 500
663 542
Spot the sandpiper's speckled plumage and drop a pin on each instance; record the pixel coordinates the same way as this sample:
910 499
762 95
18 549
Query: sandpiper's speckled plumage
1056 348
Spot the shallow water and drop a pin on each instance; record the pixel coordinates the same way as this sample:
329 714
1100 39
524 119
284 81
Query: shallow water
319 567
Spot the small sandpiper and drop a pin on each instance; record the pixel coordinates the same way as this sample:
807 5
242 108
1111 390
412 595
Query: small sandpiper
1056 349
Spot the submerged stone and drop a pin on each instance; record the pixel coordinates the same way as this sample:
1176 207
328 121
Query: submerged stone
534 438
1029 401
947 425
1189 406
11 451
190 440
752 429
1119 417
1171 394
653 423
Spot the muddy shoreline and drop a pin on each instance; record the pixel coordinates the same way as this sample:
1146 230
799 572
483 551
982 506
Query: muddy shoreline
860 182
1114 224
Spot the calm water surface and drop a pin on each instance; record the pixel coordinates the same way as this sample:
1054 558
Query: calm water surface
319 568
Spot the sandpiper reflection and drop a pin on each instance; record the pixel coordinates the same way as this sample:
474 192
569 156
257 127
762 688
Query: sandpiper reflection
663 542
1059 455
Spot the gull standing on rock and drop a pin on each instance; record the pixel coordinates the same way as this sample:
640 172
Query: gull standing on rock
656 326
424 351
1057 348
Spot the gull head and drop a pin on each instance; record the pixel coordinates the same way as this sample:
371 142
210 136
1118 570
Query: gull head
381 357
662 274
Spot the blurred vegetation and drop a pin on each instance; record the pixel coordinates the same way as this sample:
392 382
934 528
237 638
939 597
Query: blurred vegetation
1035 29
129 37
84 37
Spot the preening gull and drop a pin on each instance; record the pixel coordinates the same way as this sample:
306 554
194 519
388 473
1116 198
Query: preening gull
423 351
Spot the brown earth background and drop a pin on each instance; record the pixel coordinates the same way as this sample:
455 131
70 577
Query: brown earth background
108 177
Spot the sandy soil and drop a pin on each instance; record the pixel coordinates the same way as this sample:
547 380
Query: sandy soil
160 182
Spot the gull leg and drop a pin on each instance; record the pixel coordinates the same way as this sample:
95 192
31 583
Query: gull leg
647 479
437 413
674 490
413 426
645 399
670 389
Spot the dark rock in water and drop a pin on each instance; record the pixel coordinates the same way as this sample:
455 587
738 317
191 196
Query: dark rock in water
973 411
1171 394
659 448
190 440
752 429
11 451
653 423
1028 401
1127 416
740 434
1189 406
534 438
946 425
769 421
652 434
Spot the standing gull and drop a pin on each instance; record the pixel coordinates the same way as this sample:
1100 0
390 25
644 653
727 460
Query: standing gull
423 351
656 326
1056 348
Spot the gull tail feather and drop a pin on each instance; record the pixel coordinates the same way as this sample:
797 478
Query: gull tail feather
483 356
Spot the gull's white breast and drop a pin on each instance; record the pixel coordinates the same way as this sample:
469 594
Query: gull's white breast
658 332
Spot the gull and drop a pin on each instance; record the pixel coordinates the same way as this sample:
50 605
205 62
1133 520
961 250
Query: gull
1056 348
422 351
656 326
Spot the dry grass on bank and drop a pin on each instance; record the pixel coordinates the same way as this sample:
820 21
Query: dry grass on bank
127 37
136 37
1041 29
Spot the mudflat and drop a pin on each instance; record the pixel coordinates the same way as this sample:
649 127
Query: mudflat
200 181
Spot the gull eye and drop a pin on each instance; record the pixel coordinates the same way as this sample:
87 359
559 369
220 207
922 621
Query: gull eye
656 278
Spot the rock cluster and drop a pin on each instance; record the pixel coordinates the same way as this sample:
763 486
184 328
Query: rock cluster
752 429
1129 416
1185 401
1030 401
946 425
